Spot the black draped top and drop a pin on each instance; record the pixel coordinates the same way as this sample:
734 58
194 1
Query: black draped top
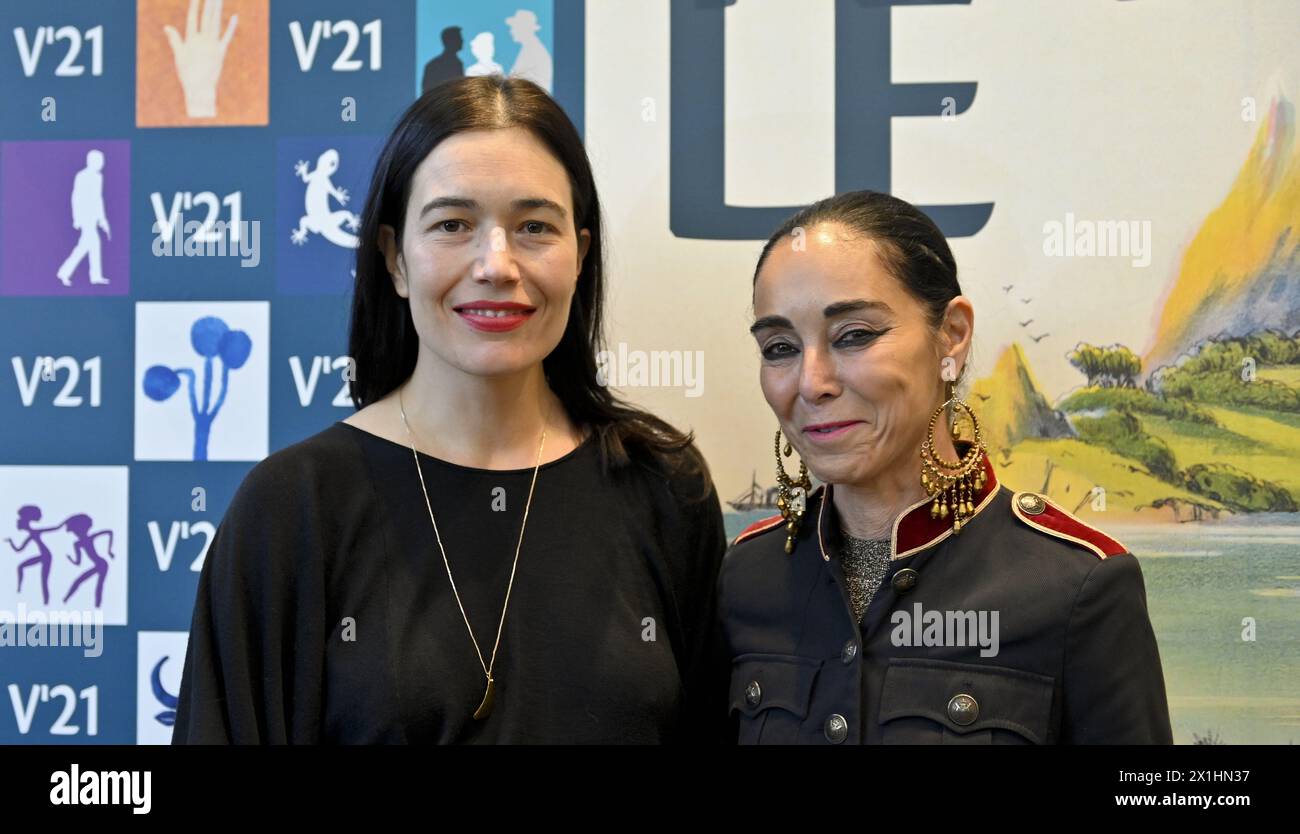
325 615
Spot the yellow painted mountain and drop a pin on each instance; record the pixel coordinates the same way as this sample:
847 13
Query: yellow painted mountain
1241 272
1010 405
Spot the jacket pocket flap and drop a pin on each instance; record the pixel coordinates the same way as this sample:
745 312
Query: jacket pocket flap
994 696
761 681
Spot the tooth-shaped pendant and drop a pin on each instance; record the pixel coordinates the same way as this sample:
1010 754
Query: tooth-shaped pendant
485 708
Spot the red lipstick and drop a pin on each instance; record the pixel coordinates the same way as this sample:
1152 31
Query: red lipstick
494 316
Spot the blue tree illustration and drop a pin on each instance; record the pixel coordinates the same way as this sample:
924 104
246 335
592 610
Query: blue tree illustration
211 338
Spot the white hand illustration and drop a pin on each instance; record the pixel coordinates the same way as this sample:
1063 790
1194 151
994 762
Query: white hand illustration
199 57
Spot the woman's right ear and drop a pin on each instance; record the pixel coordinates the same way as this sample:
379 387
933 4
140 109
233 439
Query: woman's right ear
393 259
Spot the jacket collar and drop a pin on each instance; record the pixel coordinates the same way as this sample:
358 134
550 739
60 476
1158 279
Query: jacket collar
914 529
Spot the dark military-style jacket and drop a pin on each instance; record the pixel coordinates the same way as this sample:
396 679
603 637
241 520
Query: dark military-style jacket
1026 627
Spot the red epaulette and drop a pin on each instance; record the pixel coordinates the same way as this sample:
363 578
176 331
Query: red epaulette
1041 514
760 526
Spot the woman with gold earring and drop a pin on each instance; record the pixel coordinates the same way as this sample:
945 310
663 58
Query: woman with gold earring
792 494
911 598
952 483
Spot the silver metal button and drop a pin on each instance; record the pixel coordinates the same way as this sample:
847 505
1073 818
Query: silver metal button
963 709
837 729
1031 504
904 580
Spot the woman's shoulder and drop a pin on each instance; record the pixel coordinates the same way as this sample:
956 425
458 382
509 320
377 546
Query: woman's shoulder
1058 526
285 529
328 448
299 473
766 536
679 476
1098 571
287 509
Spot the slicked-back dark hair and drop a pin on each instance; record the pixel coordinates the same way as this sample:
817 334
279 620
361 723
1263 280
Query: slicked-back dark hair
911 246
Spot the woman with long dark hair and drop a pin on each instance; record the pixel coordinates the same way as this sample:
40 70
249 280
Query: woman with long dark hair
494 547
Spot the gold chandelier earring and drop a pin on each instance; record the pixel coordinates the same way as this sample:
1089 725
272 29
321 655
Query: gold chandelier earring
953 484
792 495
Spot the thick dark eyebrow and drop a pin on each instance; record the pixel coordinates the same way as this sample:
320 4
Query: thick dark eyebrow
839 308
539 203
448 202
522 204
771 321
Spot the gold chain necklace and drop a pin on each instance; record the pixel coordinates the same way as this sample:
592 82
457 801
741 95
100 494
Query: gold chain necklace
485 707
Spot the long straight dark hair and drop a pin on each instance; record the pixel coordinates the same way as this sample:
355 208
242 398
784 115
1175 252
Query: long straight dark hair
383 341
